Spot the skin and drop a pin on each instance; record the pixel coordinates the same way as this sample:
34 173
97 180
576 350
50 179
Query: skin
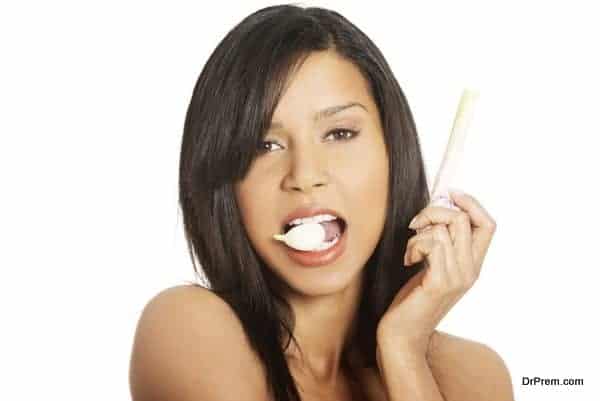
305 163
453 244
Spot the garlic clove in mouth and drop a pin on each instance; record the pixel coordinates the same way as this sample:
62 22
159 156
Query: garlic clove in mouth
303 237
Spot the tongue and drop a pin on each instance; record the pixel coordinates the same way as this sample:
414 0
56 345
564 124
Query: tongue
332 228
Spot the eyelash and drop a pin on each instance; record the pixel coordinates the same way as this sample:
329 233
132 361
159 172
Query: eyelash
353 134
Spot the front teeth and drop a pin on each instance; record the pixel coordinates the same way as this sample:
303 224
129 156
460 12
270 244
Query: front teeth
313 219
307 237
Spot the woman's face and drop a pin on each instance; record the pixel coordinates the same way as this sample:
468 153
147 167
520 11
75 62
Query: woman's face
304 163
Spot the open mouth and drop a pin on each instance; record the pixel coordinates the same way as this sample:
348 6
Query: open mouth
330 248
333 228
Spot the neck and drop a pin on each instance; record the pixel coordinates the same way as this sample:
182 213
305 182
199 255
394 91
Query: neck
323 327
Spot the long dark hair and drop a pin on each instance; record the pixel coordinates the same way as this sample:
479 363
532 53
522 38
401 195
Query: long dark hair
230 109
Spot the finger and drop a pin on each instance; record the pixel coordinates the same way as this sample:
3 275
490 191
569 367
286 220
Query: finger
461 236
443 201
460 225
422 235
436 279
426 247
455 276
479 216
433 215
483 224
423 229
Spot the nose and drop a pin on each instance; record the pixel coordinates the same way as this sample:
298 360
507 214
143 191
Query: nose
307 171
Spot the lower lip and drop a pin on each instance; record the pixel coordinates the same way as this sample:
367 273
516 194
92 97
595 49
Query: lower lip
318 258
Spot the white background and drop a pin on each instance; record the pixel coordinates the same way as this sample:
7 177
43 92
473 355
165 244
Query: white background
92 103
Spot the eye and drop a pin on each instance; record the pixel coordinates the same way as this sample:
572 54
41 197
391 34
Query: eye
340 134
343 134
263 147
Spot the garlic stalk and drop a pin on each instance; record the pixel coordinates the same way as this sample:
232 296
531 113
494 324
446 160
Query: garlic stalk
454 150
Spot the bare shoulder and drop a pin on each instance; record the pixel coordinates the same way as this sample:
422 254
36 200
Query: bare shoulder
468 370
189 344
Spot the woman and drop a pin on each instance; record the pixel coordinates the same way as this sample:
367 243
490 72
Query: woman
297 114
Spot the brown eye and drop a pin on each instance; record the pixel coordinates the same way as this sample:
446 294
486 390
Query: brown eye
263 147
342 134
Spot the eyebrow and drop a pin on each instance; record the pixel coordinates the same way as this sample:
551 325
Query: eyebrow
321 114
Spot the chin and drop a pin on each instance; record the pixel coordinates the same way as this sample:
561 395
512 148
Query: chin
342 274
321 281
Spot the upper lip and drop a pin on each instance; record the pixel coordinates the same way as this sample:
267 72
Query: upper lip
309 211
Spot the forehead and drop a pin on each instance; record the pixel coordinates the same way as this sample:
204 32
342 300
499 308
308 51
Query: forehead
323 80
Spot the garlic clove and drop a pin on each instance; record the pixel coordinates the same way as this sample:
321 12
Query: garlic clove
304 237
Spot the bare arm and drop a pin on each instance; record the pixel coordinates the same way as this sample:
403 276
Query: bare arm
189 346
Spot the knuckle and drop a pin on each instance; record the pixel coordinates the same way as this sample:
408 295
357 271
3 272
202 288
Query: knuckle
434 234
438 228
415 239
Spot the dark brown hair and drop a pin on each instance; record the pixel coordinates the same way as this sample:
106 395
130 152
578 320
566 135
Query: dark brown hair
230 110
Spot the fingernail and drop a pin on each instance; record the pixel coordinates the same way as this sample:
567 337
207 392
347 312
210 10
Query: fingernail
413 222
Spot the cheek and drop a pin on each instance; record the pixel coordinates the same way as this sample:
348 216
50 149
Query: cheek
252 196
366 172
366 189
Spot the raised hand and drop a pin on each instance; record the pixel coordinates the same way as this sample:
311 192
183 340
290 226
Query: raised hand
453 244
